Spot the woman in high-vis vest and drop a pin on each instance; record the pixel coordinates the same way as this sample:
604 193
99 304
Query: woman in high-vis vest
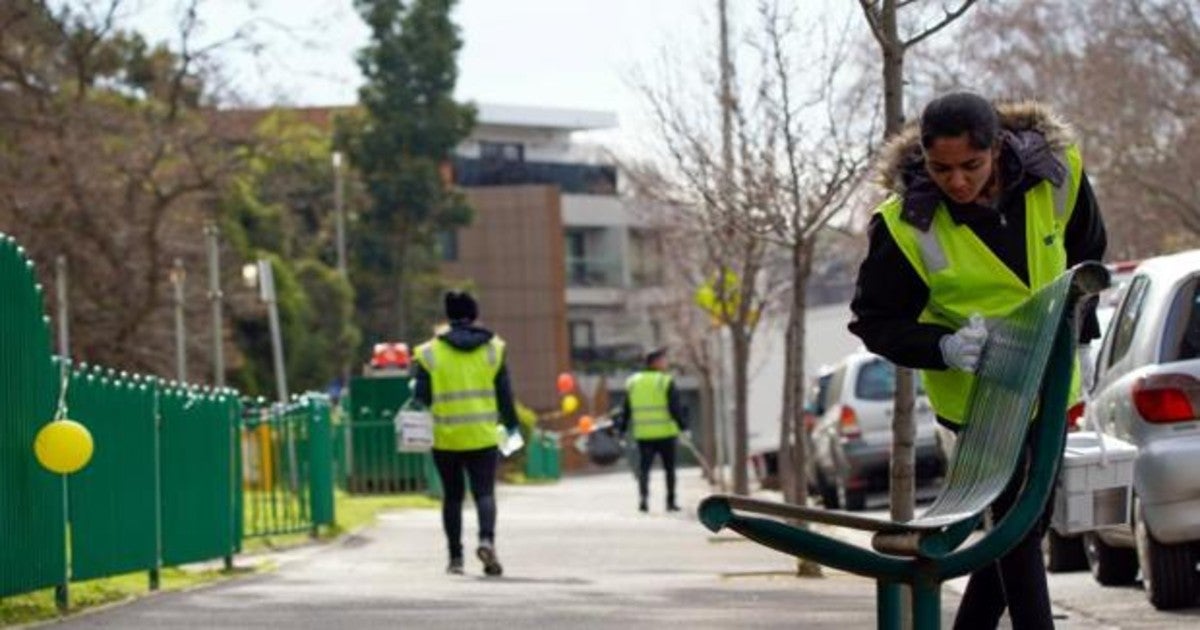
989 204
461 377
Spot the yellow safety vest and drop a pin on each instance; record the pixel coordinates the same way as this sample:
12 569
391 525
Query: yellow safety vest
647 391
965 277
464 408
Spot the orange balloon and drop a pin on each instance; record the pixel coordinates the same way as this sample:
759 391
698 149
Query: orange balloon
566 383
586 424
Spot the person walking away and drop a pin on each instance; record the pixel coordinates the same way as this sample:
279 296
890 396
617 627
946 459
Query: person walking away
461 376
654 414
990 203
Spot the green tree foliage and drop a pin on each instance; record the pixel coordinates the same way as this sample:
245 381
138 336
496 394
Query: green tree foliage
400 143
279 208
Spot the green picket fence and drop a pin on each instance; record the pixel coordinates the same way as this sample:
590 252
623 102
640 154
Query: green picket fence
32 521
165 483
287 464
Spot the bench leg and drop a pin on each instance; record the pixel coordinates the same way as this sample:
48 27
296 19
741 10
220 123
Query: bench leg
927 604
887 605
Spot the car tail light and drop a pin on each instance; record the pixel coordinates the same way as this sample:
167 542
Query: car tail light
1166 398
1074 415
848 423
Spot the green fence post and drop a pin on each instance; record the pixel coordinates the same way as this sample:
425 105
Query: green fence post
320 458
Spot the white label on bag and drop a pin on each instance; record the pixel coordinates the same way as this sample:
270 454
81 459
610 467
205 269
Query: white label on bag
414 431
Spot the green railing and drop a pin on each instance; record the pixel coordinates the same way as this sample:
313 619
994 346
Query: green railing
164 485
287 464
368 454
32 519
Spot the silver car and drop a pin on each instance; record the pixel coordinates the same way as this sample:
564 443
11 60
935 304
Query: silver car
1147 392
852 440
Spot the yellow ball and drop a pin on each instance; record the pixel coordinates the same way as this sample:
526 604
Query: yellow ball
569 404
63 446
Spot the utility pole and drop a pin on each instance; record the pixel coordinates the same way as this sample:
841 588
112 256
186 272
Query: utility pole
215 297
266 285
178 276
64 328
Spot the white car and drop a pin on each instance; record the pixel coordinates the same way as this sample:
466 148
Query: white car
852 439
1147 392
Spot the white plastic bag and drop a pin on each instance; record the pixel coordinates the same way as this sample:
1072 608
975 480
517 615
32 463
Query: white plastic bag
414 431
508 443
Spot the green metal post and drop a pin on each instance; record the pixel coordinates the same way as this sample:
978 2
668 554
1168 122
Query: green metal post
320 443
887 605
927 604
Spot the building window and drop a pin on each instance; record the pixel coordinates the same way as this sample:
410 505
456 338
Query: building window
447 244
583 336
656 332
502 151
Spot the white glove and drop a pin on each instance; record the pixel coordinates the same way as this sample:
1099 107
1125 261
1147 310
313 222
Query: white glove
1087 368
963 349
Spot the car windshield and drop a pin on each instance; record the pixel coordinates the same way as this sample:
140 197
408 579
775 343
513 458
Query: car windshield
877 381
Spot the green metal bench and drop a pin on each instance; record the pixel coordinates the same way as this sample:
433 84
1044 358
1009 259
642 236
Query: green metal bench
1025 370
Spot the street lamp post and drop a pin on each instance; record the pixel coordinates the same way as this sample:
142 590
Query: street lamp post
339 212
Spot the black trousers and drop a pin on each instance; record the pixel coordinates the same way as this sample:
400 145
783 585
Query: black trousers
479 467
1017 581
647 449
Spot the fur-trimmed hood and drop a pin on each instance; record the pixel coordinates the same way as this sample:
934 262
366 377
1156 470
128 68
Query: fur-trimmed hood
1032 141
1034 131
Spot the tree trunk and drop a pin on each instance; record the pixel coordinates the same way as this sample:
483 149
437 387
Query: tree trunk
741 360
901 489
708 426
796 491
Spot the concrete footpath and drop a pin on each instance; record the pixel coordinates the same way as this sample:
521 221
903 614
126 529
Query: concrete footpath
576 554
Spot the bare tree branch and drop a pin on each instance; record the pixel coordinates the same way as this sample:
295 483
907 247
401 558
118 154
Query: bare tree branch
949 17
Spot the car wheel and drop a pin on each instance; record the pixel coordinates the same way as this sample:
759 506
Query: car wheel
1168 571
852 500
1111 566
1063 553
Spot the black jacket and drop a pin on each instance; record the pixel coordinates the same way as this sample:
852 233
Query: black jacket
469 337
890 295
674 407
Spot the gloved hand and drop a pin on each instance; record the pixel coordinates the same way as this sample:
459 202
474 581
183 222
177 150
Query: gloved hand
963 349
1087 368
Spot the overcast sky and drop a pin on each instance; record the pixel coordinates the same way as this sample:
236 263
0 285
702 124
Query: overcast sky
561 53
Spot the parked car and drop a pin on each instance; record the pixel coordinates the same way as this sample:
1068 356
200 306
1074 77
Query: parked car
1147 393
852 440
1066 552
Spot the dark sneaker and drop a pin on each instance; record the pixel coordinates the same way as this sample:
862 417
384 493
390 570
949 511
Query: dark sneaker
455 567
671 507
642 507
487 555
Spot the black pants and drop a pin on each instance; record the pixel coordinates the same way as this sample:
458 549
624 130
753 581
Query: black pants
1017 580
480 467
647 449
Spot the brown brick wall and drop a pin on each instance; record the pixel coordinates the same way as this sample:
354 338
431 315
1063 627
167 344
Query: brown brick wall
512 254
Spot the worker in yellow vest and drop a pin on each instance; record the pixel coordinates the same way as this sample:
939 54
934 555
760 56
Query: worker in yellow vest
653 413
461 376
989 204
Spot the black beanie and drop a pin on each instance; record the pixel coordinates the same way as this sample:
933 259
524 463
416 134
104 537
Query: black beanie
460 306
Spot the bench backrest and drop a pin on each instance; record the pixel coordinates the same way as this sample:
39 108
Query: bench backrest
1000 406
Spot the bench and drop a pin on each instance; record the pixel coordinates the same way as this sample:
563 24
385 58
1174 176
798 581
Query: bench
1025 371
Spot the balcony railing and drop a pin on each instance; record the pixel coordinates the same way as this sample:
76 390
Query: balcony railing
571 178
594 272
